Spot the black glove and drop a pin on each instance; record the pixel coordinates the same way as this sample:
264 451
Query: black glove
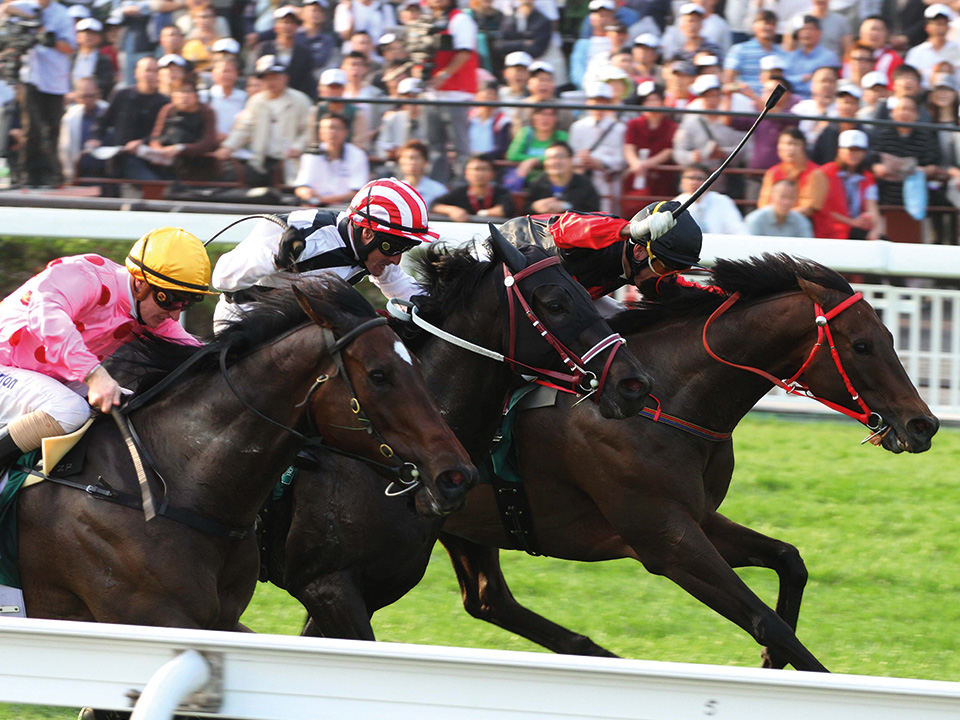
292 243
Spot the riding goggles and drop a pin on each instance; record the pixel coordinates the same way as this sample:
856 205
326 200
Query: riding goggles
660 266
172 300
392 246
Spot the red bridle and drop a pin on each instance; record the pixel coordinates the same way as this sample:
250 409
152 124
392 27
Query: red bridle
579 379
793 385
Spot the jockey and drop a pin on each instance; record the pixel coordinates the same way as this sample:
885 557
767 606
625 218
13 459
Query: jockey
57 328
604 252
386 218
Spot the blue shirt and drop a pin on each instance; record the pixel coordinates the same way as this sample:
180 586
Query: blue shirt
48 68
801 63
744 58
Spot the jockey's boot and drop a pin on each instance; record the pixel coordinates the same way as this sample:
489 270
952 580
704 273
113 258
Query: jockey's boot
9 452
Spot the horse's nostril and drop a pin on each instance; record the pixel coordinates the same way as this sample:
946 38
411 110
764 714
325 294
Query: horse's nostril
633 387
921 428
454 477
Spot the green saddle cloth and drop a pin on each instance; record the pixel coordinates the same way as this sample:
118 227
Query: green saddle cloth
9 568
503 460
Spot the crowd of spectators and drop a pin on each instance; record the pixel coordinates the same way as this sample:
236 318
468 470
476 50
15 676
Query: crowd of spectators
262 94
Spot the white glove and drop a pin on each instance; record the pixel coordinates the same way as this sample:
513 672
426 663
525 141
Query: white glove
653 225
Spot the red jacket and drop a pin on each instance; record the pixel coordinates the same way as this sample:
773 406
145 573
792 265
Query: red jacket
837 188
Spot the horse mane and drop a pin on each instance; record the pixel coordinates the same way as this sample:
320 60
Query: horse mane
754 278
149 358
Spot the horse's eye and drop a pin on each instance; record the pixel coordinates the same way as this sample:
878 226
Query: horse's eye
554 307
861 347
378 377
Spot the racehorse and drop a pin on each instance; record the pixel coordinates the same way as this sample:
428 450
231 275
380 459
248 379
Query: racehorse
216 438
308 533
648 490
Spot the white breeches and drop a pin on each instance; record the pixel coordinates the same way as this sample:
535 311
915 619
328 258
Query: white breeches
25 391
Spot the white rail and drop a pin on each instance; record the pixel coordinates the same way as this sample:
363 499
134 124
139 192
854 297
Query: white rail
268 677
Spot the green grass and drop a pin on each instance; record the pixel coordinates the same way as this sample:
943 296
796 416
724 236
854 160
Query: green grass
878 533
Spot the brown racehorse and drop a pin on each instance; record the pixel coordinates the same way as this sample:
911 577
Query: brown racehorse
218 437
646 490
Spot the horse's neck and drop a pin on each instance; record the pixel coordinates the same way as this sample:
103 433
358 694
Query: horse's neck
211 448
774 335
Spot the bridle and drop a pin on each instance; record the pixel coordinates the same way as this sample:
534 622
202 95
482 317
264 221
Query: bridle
579 380
407 473
793 385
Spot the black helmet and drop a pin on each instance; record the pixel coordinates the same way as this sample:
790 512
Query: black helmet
680 245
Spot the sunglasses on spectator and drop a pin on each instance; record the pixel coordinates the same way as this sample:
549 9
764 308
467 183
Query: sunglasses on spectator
862 58
171 300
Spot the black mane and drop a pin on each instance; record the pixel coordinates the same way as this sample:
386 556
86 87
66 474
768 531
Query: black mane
754 278
146 360
450 278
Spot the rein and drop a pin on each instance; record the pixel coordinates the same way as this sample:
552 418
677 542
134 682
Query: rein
793 385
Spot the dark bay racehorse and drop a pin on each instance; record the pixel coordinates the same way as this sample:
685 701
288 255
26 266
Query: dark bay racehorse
82 558
646 490
328 510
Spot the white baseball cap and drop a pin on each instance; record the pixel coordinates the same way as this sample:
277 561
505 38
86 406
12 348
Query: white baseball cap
936 10
772 62
333 76
387 38
226 45
286 11
612 72
598 90
647 40
874 78
410 86
171 59
691 8
645 88
854 139
540 66
596 5
703 83
849 88
706 60
518 59
89 23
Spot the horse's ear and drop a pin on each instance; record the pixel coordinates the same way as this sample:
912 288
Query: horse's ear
503 250
815 292
306 304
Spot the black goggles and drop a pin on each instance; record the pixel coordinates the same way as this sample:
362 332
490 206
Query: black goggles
392 246
173 300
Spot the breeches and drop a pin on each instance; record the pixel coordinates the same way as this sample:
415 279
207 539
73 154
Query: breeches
25 391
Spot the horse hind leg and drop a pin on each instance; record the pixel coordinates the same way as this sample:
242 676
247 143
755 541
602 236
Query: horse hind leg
487 597
335 608
742 547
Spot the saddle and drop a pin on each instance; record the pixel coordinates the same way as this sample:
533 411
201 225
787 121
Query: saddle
529 230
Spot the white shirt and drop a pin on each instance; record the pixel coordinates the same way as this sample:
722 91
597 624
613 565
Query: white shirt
810 107
226 108
924 57
374 18
716 213
586 132
327 176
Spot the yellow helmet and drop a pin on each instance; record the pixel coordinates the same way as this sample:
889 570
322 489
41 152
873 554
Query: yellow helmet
171 258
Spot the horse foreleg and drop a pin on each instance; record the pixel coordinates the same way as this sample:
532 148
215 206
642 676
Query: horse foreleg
336 608
487 597
742 547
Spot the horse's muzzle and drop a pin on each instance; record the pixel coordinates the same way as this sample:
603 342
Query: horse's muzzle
448 491
914 436
625 396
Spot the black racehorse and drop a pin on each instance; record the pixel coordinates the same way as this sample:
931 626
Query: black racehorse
641 489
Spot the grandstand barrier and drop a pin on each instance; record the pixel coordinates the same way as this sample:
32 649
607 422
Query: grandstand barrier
271 677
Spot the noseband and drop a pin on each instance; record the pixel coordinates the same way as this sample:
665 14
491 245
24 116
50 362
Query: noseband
793 385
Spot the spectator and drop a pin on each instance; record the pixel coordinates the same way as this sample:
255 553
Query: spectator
942 106
814 200
678 76
743 61
687 39
198 45
361 42
874 34
336 172
648 143
617 35
875 94
809 56
858 63
129 121
289 52
906 83
763 144
77 128
480 196
89 62
372 16
46 80
187 16
454 78
822 102
488 20
321 43
778 218
331 85
646 52
824 150
412 162
559 188
716 29
714 212
898 151
530 144
135 43
526 30
355 66
171 41
906 22
184 134
516 76
859 218
835 28
111 33
542 89
171 71
601 15
226 99
275 124
925 56
491 129
706 139
402 124
395 67
597 143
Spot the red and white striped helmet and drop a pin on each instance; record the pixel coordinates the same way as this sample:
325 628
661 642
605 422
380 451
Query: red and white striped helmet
393 207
